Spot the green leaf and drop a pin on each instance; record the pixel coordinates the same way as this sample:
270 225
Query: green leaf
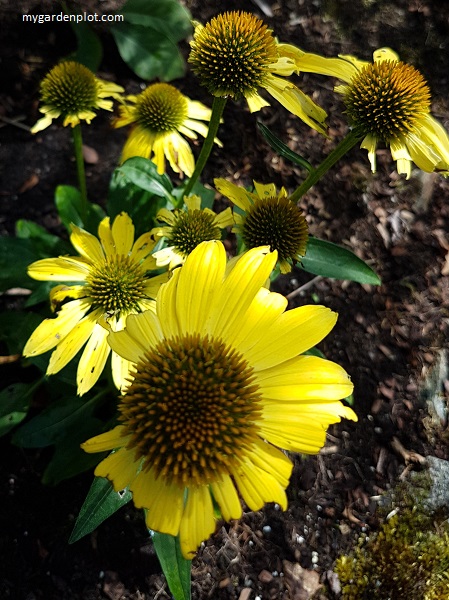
168 16
14 404
148 52
15 256
45 244
329 260
54 423
68 205
176 568
143 174
282 149
101 502
206 194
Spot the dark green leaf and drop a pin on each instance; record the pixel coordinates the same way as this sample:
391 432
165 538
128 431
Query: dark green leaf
206 194
101 502
143 174
176 568
15 256
45 244
14 404
54 423
167 16
329 260
148 52
68 205
283 150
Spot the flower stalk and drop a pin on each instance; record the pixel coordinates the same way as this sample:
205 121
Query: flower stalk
348 142
78 145
215 119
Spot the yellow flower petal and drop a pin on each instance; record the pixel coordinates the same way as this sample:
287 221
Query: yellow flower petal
239 289
51 331
119 467
305 378
142 331
72 343
93 360
123 234
163 501
203 270
237 194
86 244
166 307
273 461
227 498
121 371
258 487
115 438
198 522
65 268
294 332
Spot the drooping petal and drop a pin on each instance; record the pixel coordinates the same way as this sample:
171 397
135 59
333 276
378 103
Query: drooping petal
163 501
258 487
227 498
370 143
198 522
51 331
72 343
239 196
93 359
119 467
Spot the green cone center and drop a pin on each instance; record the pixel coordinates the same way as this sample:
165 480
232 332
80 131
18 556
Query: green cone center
70 88
191 228
161 108
279 223
117 285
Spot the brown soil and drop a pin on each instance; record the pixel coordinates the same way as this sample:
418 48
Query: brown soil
387 337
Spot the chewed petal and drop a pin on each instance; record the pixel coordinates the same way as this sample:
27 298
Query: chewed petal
198 522
238 195
119 467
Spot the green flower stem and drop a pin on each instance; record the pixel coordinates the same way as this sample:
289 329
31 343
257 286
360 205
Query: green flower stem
78 144
353 137
217 110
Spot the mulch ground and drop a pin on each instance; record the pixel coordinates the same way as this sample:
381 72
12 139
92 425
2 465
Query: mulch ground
391 338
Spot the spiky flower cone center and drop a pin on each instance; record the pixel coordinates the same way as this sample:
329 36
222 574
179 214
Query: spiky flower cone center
70 88
387 98
191 228
117 285
161 108
191 410
231 54
279 223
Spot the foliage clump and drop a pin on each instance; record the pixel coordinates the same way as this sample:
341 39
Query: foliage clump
407 558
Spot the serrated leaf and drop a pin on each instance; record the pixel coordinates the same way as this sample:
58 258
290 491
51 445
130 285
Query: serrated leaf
176 568
101 502
329 260
148 52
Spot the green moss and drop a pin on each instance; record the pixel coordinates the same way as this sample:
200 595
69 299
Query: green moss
407 558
